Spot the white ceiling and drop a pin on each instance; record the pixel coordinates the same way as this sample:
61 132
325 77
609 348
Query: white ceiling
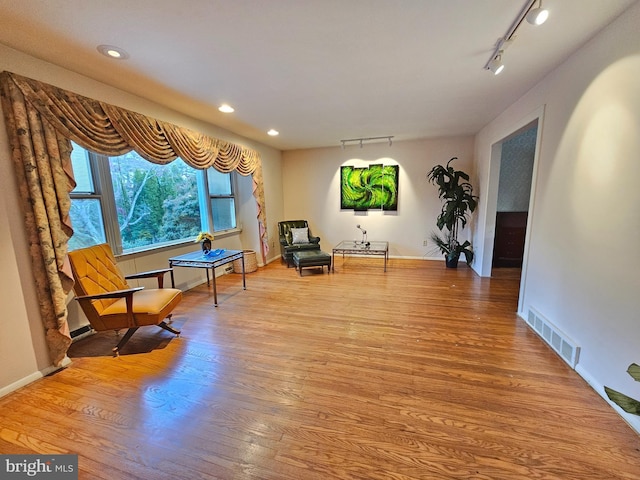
316 70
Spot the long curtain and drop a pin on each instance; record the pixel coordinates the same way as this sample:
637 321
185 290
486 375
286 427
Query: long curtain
42 120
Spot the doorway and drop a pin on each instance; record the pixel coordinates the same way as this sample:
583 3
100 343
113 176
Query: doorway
485 268
514 192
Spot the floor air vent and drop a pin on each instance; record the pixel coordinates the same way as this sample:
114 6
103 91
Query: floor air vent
559 341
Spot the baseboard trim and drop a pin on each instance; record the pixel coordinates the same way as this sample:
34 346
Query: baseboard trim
20 383
277 257
632 420
24 381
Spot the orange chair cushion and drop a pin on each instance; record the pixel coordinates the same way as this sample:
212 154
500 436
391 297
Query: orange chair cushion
150 307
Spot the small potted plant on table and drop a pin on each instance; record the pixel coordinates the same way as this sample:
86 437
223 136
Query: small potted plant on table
204 239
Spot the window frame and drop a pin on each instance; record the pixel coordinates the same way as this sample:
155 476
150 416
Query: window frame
233 185
100 169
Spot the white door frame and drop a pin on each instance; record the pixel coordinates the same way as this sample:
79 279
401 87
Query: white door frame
491 197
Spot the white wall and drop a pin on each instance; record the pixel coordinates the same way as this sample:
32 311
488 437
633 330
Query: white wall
312 192
22 349
583 263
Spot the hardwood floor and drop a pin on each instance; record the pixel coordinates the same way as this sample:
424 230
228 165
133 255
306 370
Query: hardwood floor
421 372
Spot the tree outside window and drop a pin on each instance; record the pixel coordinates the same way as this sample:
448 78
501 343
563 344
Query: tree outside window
155 204
132 203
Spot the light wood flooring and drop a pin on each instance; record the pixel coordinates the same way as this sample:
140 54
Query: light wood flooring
417 373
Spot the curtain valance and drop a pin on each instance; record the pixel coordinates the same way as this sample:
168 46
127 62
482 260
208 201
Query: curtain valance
110 130
42 120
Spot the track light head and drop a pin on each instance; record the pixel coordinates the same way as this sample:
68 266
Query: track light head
537 16
496 65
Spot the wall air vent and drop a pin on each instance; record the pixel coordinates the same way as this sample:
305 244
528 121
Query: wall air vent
564 346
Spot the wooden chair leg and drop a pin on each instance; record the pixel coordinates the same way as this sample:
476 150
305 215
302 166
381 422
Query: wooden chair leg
123 340
169 328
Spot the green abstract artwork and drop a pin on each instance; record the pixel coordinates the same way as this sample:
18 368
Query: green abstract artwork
373 187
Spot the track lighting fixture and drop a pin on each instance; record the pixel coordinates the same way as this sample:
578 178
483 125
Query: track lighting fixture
366 139
496 65
535 16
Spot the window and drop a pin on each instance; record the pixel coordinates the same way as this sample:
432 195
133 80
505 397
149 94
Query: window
86 204
134 204
222 199
154 204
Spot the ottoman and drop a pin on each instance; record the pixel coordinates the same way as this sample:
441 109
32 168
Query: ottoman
311 258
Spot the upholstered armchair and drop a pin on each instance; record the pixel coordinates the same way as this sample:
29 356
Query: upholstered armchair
295 236
110 303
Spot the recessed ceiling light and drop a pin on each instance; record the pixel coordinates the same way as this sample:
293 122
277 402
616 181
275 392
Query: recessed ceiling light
273 132
226 108
113 52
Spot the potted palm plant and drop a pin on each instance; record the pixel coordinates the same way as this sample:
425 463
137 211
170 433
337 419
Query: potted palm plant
458 202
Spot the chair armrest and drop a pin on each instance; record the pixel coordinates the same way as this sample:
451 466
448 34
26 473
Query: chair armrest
128 294
283 240
158 274
314 239
114 294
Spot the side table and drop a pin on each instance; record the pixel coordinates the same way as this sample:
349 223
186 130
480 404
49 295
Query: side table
199 260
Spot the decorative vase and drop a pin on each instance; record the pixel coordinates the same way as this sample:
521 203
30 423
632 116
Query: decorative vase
206 246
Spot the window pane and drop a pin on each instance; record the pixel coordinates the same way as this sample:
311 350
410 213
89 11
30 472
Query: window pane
219 183
155 203
86 219
224 213
81 170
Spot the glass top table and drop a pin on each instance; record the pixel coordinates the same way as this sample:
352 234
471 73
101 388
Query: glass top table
351 247
210 261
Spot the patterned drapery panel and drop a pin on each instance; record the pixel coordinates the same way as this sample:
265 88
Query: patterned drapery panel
41 122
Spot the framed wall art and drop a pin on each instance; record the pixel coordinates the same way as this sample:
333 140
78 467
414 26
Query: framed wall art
368 188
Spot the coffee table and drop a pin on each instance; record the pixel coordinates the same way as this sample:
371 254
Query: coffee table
200 260
351 247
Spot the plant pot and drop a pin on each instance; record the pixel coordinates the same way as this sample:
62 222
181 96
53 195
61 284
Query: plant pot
451 262
206 246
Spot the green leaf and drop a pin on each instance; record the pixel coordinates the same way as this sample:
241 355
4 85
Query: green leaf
634 371
628 404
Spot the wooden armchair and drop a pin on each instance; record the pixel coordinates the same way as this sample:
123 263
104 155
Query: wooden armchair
110 303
